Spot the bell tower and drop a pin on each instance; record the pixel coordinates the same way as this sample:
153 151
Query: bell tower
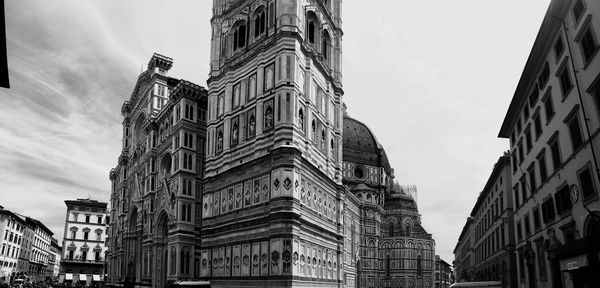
271 205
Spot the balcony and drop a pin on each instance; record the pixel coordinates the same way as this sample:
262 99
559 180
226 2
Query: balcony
75 260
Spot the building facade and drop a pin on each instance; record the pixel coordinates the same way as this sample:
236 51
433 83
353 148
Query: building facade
380 218
12 230
83 241
493 228
486 247
463 254
54 257
553 122
288 199
443 273
39 250
252 183
25 245
274 130
155 199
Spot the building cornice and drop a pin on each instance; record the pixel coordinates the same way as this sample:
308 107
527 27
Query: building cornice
539 52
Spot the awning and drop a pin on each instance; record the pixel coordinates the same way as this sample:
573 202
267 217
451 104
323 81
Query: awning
96 277
68 276
82 277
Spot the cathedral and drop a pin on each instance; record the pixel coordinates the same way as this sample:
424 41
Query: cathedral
263 179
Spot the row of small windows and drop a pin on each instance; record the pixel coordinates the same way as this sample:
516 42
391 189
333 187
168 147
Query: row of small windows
248 129
313 26
525 189
240 34
556 158
186 188
490 216
589 47
87 218
492 243
186 212
86 233
246 88
164 129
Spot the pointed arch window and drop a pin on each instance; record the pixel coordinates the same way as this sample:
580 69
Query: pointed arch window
234 131
259 23
239 35
301 119
323 147
325 45
313 128
332 148
387 265
268 115
419 268
312 26
237 92
220 104
219 140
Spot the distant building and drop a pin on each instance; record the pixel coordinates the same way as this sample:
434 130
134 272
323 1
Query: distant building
25 243
493 236
485 249
463 254
54 257
553 123
38 240
442 273
12 228
83 241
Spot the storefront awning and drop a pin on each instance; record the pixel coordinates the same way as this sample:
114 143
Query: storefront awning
82 277
96 277
68 276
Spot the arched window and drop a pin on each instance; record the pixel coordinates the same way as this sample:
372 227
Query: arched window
190 162
332 148
189 213
312 27
301 119
220 104
139 133
234 133
259 22
419 268
239 35
313 129
323 140
387 265
325 45
251 126
183 212
220 141
268 118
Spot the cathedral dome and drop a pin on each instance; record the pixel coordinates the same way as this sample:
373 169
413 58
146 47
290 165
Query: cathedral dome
361 146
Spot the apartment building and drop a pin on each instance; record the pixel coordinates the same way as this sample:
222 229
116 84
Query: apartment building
83 241
553 122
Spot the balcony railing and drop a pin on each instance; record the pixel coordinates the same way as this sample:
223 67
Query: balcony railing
100 261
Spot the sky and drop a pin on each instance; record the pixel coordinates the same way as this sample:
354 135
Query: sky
432 79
